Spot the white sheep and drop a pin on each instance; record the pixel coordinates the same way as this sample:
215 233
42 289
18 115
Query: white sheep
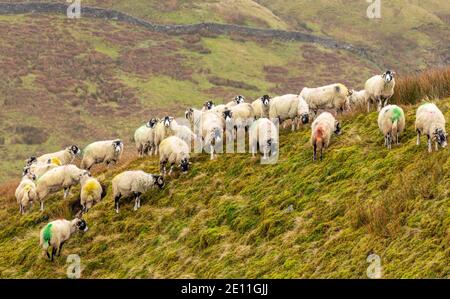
358 99
261 106
144 137
164 129
26 191
65 156
212 126
333 96
185 133
134 183
61 177
91 192
108 151
263 134
38 168
289 106
380 88
431 122
238 117
321 130
57 232
236 101
391 121
174 150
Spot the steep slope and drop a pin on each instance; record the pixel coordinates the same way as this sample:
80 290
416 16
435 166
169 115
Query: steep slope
75 81
234 217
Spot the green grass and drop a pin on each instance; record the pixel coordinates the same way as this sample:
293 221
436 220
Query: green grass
229 218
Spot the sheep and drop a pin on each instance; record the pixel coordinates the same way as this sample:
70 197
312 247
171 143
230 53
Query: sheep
144 137
61 177
321 129
289 106
357 99
263 134
333 96
431 122
66 156
91 192
236 101
57 232
238 117
391 121
39 169
164 129
261 106
380 88
134 183
185 133
174 151
108 151
211 128
26 191
208 105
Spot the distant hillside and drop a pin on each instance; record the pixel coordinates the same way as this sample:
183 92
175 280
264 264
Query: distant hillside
234 217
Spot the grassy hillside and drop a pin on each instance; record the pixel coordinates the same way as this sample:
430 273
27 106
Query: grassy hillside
66 81
410 35
234 217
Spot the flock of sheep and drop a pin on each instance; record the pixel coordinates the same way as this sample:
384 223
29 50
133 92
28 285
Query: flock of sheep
53 172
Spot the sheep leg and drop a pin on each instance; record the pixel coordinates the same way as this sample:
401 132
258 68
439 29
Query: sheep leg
293 125
171 169
162 167
436 145
60 248
379 103
211 148
368 106
418 137
321 151
48 254
136 200
42 206
429 144
53 253
116 202
315 152
396 137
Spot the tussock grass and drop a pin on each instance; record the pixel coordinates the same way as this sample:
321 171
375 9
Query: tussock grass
234 217
431 84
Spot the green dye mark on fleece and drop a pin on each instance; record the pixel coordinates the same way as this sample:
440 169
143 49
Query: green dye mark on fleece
396 114
48 233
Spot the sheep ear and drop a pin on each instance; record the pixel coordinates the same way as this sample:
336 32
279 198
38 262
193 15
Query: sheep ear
384 75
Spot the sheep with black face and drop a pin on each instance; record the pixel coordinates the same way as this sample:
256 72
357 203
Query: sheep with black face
261 106
144 137
108 151
134 183
239 99
65 156
57 232
175 151
26 191
431 122
163 129
321 130
380 88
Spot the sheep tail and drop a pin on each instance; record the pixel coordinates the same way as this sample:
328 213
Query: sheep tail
319 135
47 235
